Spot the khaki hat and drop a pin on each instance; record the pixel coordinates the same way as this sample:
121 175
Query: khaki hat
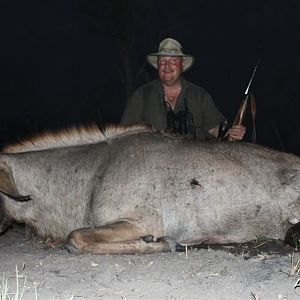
171 47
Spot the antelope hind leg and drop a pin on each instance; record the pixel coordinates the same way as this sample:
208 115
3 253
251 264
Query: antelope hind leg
116 238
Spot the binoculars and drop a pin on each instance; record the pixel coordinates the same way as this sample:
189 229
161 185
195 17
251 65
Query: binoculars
181 122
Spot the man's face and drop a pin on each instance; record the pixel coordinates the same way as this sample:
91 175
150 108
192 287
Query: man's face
169 69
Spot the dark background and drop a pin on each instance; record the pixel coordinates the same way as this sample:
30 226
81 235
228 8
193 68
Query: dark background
70 62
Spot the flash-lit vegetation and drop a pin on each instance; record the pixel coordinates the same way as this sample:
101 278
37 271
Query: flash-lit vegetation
16 289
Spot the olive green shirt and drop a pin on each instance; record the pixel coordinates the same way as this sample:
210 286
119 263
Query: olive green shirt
147 105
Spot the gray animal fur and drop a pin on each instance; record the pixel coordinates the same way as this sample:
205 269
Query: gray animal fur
243 191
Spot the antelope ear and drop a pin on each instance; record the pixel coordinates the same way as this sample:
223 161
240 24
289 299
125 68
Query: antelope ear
8 186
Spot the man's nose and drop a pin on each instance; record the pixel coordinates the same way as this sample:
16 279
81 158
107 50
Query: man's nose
168 64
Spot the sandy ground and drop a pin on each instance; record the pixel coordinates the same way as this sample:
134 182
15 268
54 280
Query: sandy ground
203 274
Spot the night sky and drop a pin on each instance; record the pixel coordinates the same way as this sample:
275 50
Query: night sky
69 62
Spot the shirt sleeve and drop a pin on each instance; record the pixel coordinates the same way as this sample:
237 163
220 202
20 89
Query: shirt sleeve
133 112
212 116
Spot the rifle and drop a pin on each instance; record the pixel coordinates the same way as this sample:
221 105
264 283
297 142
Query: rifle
239 119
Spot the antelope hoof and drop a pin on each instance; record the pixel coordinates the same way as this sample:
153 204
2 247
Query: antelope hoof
72 247
149 238
171 243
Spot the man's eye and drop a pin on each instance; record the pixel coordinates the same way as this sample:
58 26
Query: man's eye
172 61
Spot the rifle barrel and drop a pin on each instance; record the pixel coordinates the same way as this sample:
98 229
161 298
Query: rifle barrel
252 76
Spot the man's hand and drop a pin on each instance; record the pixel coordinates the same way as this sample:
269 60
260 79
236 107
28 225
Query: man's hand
237 132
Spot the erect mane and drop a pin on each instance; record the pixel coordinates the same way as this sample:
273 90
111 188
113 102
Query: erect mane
73 136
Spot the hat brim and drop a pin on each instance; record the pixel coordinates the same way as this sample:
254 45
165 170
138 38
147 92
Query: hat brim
188 60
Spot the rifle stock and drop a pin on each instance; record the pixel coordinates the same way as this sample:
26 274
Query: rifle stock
240 116
239 119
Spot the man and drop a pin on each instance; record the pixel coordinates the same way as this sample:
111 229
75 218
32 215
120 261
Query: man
173 103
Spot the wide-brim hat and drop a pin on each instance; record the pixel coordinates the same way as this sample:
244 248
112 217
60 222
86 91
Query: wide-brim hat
171 47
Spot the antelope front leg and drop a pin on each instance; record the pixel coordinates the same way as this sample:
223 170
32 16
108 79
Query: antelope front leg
116 238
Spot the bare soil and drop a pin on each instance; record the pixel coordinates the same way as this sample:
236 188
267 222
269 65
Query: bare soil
259 270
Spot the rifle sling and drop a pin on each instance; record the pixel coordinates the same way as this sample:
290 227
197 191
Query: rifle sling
253 114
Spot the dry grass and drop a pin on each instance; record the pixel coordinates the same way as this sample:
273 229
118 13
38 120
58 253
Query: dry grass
295 266
254 296
20 287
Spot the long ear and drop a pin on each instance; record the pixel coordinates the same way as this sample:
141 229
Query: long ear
8 186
